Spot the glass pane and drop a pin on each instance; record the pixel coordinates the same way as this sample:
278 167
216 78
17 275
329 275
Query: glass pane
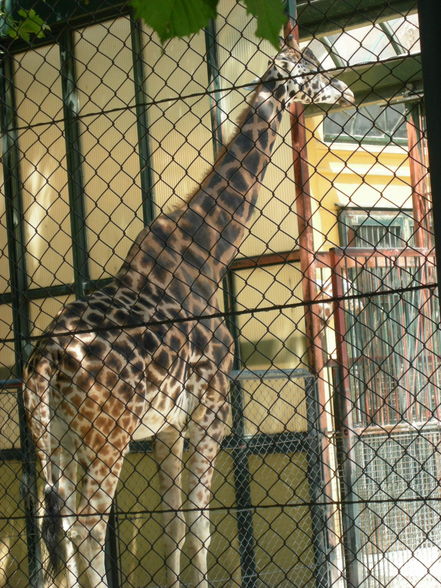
9 423
181 139
38 85
362 45
110 143
399 528
13 544
243 58
176 69
112 189
396 121
274 226
321 51
272 339
337 123
104 66
367 122
284 546
274 406
138 492
7 357
140 531
406 32
379 228
43 167
182 151
46 206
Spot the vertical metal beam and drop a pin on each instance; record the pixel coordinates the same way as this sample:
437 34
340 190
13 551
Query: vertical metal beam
74 160
308 265
214 86
242 476
418 175
429 13
20 310
142 121
346 438
315 480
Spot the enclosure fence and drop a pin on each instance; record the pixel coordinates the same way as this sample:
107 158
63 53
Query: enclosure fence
328 471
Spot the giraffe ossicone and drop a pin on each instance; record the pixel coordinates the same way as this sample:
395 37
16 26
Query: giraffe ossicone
144 356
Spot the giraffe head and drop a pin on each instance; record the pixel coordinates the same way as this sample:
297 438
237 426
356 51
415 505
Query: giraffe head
299 72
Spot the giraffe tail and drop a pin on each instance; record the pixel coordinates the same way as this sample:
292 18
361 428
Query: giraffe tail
38 403
52 530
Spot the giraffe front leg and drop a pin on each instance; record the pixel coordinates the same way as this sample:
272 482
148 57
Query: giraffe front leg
169 447
87 535
204 448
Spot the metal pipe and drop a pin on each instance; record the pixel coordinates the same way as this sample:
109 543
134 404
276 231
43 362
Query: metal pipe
418 175
313 326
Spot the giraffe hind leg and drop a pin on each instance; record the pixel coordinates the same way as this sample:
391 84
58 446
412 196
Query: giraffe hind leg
169 447
60 504
87 538
67 490
87 532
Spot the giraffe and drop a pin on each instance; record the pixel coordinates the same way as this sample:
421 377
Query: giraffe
147 355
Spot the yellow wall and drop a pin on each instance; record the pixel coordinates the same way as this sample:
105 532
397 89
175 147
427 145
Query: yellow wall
345 174
13 548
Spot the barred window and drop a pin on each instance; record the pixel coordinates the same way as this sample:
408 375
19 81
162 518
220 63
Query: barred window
377 229
377 123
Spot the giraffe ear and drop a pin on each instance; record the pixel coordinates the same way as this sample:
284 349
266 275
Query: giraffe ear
292 42
289 42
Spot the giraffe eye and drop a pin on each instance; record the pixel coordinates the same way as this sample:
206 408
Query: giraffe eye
286 64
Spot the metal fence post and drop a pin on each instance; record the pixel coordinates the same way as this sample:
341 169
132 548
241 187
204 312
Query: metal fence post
74 159
242 476
17 265
429 13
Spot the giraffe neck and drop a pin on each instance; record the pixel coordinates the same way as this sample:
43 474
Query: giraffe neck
218 214
207 231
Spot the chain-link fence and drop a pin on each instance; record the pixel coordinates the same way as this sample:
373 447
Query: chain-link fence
288 271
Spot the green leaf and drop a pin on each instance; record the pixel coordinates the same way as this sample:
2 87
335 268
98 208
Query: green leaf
270 17
28 24
175 18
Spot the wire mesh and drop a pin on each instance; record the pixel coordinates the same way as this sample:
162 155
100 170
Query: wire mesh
312 312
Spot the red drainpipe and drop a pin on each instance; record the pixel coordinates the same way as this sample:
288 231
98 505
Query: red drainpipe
308 266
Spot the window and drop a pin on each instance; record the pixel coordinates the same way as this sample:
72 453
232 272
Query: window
379 229
372 124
